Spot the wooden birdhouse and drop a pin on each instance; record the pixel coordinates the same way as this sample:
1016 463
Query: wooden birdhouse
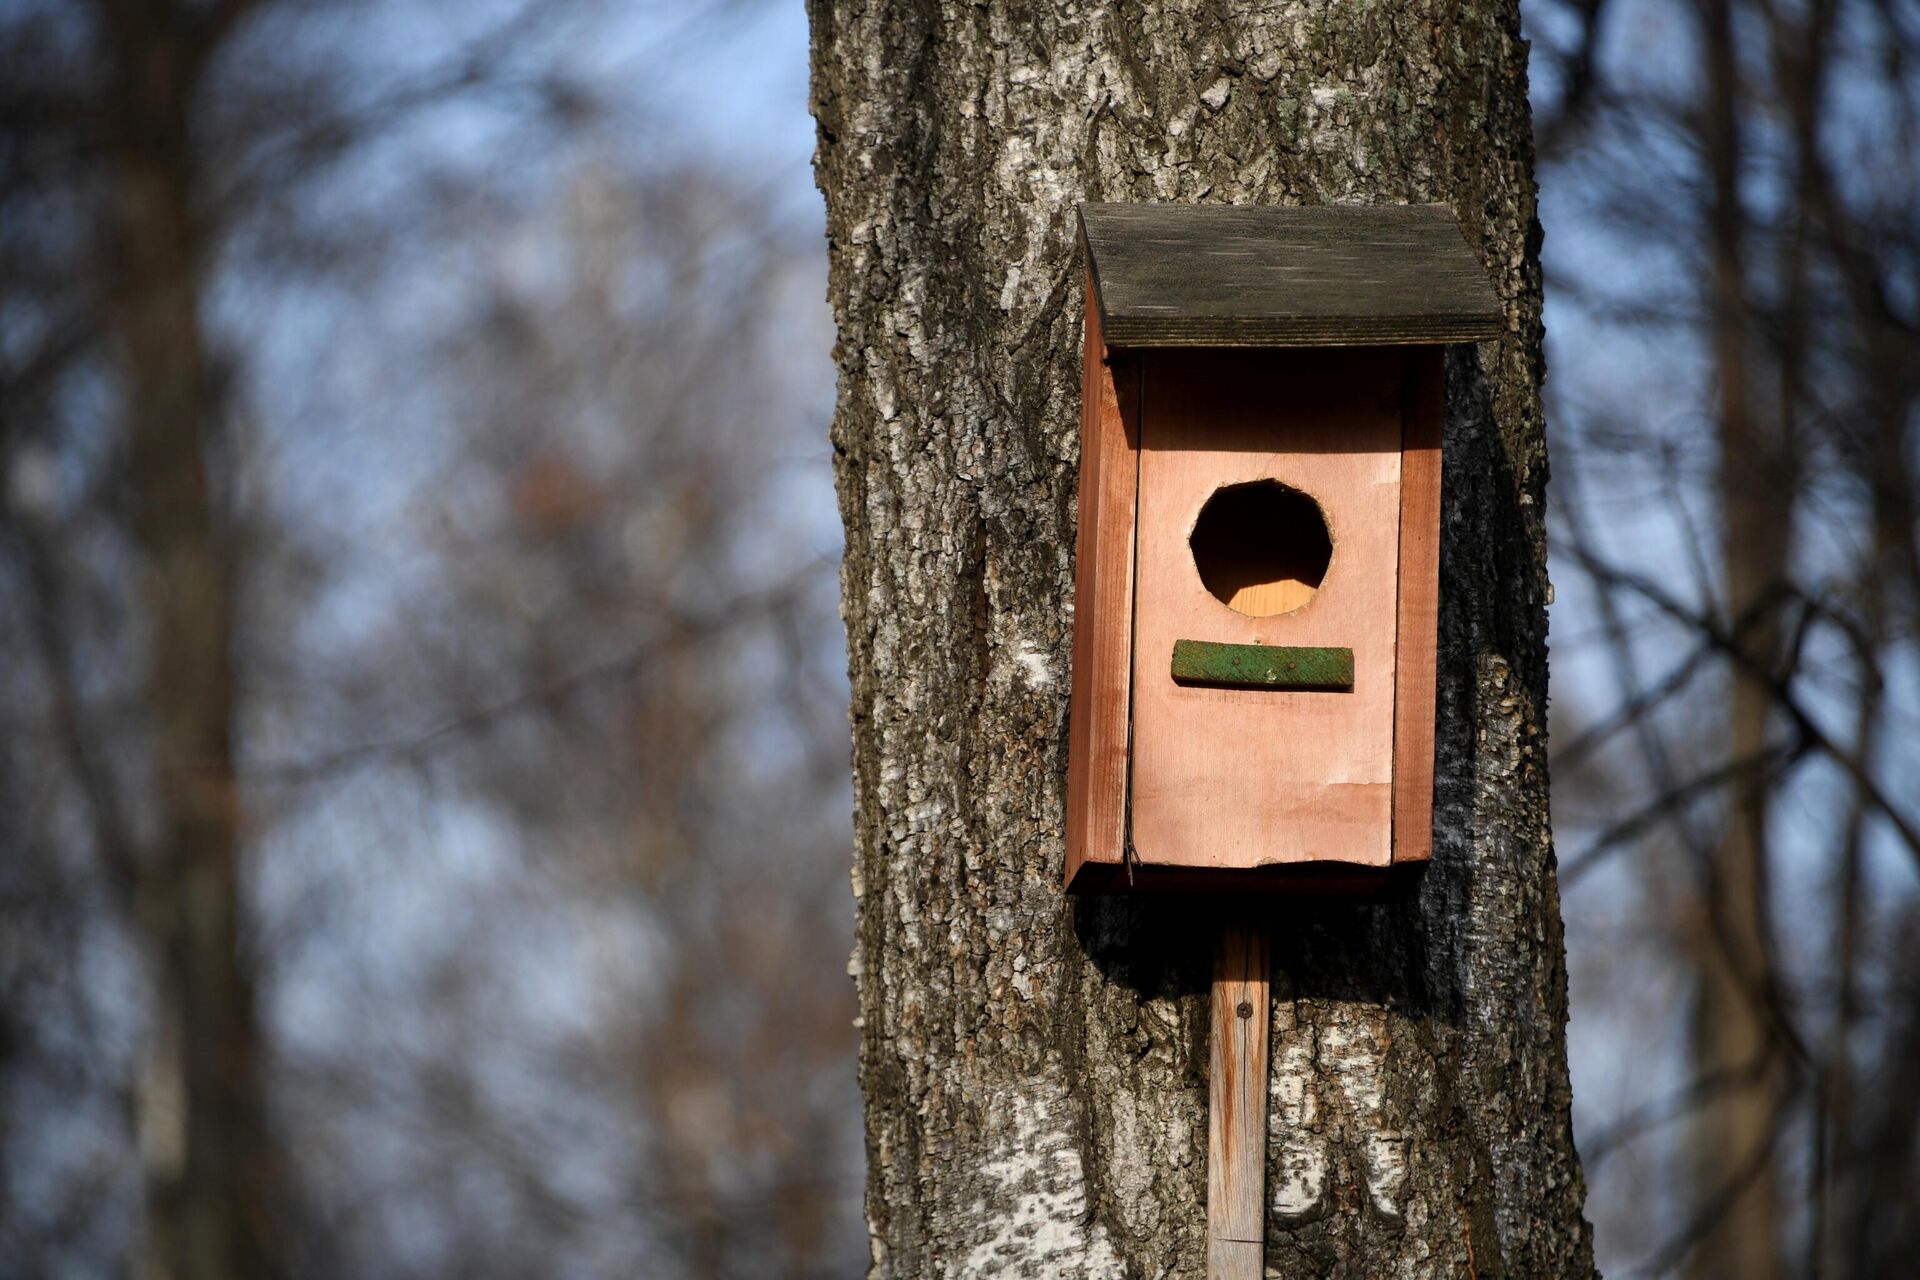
1257 593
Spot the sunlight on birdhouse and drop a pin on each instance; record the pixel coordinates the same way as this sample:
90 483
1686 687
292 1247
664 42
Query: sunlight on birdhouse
1262 549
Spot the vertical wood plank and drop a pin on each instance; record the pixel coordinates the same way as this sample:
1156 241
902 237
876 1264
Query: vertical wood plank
1097 731
1423 412
1237 1105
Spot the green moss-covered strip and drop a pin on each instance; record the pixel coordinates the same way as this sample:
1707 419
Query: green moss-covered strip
1262 666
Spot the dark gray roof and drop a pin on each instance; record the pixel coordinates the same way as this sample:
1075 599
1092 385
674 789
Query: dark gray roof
1170 275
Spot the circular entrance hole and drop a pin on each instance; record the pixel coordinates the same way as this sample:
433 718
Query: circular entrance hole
1261 548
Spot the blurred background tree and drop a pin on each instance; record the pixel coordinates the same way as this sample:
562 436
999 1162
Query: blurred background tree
423 818
425 724
1732 203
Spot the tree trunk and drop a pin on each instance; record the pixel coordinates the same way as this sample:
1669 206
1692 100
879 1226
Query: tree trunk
1731 1138
1035 1069
207 1164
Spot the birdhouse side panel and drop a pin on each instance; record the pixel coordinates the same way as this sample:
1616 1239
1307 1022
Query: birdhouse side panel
1103 606
1419 627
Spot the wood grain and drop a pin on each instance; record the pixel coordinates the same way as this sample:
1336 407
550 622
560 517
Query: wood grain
1419 625
1265 599
1231 778
1237 1105
1220 276
1097 729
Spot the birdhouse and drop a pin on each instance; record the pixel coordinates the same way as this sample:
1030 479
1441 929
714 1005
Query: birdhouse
1257 591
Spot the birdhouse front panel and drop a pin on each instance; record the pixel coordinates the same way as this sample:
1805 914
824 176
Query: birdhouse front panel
1266 608
1257 582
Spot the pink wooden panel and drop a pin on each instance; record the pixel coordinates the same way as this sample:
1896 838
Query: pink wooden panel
1419 634
1245 778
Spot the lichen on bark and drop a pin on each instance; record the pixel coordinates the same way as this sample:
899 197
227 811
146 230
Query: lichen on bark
1034 1068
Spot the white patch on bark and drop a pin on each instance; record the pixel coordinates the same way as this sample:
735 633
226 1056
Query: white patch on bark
1299 1186
1010 291
1036 1205
1035 665
1353 1054
1328 1090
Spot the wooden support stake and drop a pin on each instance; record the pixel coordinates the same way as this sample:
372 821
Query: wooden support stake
1237 1106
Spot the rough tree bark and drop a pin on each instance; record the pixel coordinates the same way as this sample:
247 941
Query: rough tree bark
1035 1069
